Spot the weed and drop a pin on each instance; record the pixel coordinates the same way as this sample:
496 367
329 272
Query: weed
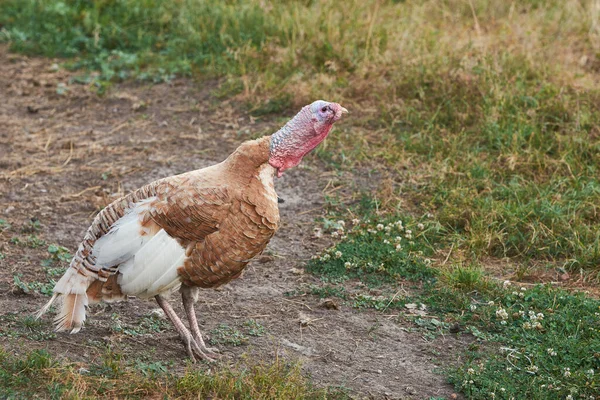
546 339
15 325
4 225
253 328
147 325
29 287
226 335
466 279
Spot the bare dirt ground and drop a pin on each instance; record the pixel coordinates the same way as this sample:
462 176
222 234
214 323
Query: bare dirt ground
65 155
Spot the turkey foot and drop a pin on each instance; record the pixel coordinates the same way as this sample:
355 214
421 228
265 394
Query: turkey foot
195 351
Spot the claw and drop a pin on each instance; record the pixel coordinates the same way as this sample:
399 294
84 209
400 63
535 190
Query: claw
196 352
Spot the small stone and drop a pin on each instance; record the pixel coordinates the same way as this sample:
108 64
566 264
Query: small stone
410 390
265 259
330 304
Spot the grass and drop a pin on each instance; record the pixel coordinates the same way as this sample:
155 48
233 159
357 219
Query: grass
54 266
38 374
538 342
482 118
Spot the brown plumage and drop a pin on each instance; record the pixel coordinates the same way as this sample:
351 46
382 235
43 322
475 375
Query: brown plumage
197 229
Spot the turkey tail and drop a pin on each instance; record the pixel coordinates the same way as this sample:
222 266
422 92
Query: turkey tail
72 314
71 292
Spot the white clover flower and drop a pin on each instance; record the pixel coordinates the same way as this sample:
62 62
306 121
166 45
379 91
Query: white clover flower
522 313
341 223
590 372
409 231
338 254
521 295
356 221
515 293
325 257
490 303
567 372
386 241
492 395
335 234
408 236
411 243
343 237
526 325
509 369
427 261
502 390
371 231
539 316
398 239
471 381
501 313
551 351
502 322
379 227
523 289
505 284
470 371
533 368
569 397
420 226
473 307
429 215
348 264
398 247
388 228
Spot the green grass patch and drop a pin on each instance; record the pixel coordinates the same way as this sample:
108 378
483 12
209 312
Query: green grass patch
17 325
227 335
148 325
38 374
537 342
54 266
377 253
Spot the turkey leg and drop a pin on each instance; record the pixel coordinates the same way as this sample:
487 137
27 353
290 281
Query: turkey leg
194 351
189 295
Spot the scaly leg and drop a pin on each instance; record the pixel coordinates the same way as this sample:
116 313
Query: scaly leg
189 295
194 351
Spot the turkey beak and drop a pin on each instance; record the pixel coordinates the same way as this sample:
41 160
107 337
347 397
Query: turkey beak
344 111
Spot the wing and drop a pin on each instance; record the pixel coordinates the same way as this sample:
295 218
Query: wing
148 244
190 212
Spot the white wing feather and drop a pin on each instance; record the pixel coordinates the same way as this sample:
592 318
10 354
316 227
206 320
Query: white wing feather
153 268
148 264
124 238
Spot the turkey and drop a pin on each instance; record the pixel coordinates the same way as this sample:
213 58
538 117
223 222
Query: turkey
189 231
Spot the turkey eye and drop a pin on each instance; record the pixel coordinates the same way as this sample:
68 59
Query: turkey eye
324 109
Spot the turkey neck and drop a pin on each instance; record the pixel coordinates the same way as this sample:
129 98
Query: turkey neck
246 160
